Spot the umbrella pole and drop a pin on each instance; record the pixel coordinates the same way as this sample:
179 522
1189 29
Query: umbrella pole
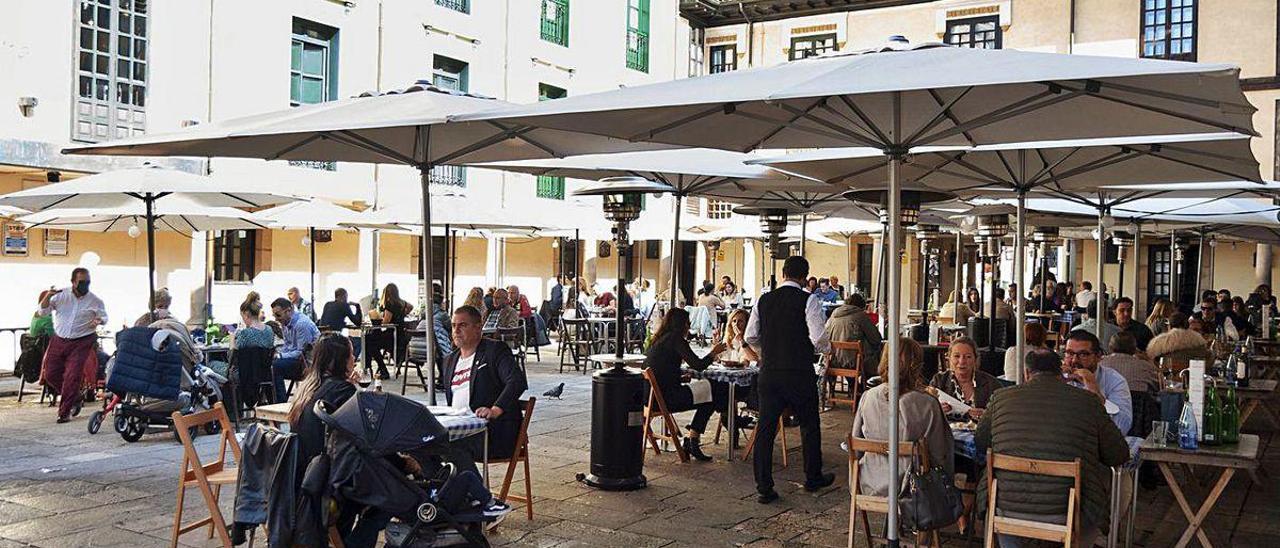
1099 296
848 262
675 254
959 257
804 232
896 155
1137 262
311 237
425 175
150 201
1200 265
1019 275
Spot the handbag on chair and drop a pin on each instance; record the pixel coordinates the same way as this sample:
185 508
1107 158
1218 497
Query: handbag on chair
931 500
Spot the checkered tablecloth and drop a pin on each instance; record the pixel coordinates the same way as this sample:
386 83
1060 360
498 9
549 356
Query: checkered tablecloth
740 376
459 426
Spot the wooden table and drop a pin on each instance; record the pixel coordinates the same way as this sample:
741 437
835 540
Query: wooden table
1270 366
1230 458
1257 395
276 414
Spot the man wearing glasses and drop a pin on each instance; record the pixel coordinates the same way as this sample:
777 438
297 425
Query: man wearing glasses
1080 368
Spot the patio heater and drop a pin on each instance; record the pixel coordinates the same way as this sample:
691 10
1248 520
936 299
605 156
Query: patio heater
618 391
713 249
1178 254
1045 238
991 232
773 222
1122 240
927 235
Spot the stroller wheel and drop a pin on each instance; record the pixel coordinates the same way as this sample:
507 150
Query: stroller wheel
134 428
427 512
95 422
121 424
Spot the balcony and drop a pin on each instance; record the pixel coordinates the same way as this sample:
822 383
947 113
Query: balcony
454 176
715 13
637 51
463 6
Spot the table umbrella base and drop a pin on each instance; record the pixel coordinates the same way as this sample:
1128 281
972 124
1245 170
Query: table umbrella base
616 484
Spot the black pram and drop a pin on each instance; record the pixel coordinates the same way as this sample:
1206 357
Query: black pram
366 434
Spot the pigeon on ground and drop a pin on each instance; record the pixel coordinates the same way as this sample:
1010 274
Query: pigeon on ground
555 392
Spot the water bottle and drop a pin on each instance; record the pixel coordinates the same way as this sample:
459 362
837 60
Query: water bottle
1187 431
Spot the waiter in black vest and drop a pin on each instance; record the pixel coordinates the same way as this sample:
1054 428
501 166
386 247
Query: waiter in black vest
786 329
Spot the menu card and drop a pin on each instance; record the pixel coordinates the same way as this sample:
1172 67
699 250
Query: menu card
1195 393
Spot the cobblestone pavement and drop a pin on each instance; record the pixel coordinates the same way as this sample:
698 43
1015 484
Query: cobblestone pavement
61 487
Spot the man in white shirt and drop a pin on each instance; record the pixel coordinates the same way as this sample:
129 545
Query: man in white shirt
71 358
1085 295
481 376
787 330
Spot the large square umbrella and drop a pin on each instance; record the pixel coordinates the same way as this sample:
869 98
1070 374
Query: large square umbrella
402 127
311 215
144 193
900 97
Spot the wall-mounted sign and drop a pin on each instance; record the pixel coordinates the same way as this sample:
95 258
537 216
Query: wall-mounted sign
15 240
55 242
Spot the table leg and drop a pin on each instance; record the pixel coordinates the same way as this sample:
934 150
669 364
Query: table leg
1195 520
485 433
1248 410
733 415
1114 530
1133 508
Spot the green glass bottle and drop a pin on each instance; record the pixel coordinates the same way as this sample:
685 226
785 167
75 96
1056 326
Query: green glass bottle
1211 434
1230 416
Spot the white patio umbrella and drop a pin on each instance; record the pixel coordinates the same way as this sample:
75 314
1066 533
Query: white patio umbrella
310 215
688 171
898 98
403 127
177 214
142 191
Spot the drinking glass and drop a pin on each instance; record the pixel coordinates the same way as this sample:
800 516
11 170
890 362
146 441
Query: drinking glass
1160 432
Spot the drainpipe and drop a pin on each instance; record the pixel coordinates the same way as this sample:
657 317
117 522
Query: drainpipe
751 36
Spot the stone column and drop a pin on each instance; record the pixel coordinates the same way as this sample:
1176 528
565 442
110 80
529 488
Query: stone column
1262 266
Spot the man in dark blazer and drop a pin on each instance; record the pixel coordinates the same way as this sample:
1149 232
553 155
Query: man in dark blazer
485 372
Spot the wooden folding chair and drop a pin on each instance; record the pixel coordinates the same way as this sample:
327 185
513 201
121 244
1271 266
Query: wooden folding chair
782 432
1052 532
850 376
209 478
860 504
520 455
657 407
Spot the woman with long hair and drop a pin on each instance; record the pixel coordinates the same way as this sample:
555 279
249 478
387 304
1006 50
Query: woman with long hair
670 347
736 348
1158 320
393 309
974 300
921 416
475 298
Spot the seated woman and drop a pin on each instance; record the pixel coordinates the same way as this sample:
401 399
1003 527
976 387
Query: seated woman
254 333
669 348
922 420
393 311
1036 337
737 351
1179 344
964 381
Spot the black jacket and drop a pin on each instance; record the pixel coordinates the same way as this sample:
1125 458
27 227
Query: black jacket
336 315
664 357
496 380
266 488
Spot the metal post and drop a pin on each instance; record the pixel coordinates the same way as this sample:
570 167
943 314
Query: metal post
1199 265
1173 267
675 253
1099 295
896 156
425 177
959 257
804 232
848 261
1019 275
150 201
311 237
1137 262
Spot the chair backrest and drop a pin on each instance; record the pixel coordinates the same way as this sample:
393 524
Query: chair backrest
655 395
858 446
522 439
848 346
183 424
1024 528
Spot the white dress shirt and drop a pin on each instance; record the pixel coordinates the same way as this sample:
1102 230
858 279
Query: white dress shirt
75 315
813 316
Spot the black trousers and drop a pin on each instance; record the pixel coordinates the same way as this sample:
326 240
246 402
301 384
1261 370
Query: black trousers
681 399
778 391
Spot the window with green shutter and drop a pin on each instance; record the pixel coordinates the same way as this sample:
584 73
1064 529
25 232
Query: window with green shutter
555 21
550 186
313 72
111 83
638 35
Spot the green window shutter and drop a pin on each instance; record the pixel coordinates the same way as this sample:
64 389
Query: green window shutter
551 187
638 35
555 21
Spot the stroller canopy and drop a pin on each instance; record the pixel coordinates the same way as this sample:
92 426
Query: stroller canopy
386 424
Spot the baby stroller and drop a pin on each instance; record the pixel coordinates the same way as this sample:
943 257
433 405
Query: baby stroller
152 376
365 436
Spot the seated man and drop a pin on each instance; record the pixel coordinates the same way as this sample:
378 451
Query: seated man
502 315
298 333
1081 356
300 304
1141 374
1090 324
1045 418
826 293
340 314
481 375
850 323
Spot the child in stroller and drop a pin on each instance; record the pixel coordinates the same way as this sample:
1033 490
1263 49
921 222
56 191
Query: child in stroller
384 454
157 370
